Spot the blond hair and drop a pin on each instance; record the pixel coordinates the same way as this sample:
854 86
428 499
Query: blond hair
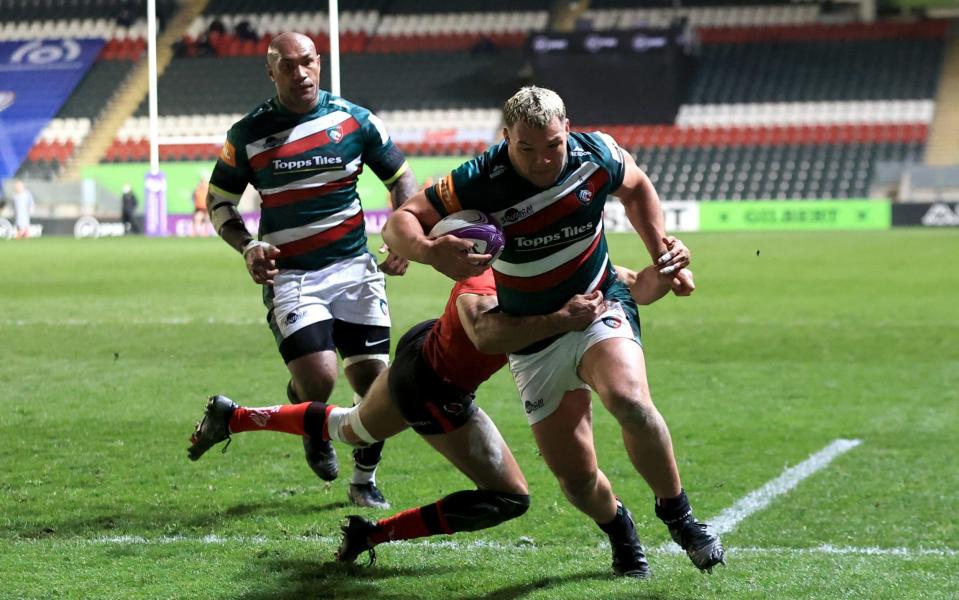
534 106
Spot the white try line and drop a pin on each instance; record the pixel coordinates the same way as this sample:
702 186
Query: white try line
759 499
521 545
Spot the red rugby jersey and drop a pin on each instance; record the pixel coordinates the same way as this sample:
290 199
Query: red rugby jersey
450 351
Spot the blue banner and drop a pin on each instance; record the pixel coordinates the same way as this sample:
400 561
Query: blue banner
36 78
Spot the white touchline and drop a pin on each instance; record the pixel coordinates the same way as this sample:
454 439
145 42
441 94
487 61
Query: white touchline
520 545
108 322
759 499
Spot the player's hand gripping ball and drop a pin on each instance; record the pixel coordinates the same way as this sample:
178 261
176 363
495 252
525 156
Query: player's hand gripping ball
475 226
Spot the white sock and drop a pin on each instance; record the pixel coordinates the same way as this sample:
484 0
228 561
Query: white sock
361 475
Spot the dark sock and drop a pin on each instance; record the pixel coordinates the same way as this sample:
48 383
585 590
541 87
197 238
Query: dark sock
314 420
367 458
673 510
619 524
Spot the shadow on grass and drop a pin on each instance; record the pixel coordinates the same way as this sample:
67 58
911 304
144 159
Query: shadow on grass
158 523
521 590
302 579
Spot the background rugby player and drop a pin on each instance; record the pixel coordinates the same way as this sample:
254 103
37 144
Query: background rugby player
303 150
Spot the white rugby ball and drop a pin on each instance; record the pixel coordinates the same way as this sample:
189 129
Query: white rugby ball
473 225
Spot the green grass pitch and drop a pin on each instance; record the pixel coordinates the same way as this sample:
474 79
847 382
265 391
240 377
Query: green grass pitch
108 349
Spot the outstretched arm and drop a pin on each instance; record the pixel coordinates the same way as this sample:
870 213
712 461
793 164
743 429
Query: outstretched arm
494 332
645 213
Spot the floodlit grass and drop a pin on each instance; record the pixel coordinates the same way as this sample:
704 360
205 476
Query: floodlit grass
108 349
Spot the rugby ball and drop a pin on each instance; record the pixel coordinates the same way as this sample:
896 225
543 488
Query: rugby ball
473 225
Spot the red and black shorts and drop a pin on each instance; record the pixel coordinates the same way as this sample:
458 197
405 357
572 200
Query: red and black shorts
429 404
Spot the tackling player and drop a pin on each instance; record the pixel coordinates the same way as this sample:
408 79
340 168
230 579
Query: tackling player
431 386
303 150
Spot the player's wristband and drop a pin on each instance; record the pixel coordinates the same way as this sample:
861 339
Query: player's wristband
254 244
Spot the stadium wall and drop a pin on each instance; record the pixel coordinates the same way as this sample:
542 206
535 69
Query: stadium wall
802 215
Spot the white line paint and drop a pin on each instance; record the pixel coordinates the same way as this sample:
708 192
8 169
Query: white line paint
112 322
521 545
759 499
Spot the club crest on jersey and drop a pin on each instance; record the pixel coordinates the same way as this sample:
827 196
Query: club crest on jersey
270 142
612 322
335 133
585 195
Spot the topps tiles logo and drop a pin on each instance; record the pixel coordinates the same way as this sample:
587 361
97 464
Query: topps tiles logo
564 235
312 163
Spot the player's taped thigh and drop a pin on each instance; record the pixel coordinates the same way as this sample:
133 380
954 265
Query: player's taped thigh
470 510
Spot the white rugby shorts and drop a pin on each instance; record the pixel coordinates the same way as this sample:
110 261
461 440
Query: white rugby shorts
545 376
352 290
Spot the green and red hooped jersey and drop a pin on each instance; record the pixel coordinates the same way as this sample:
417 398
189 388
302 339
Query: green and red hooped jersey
555 245
305 168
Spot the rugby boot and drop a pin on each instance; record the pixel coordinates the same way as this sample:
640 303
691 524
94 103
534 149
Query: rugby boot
213 428
320 454
367 495
703 546
629 558
356 540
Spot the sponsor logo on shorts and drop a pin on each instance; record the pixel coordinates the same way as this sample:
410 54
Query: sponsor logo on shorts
531 406
612 322
370 344
384 307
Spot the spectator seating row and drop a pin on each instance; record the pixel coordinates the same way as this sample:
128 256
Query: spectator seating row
204 133
272 23
806 170
79 28
123 10
93 91
817 71
776 75
61 131
123 49
805 113
794 171
702 17
429 80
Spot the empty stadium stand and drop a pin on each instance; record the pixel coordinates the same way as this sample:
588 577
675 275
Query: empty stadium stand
781 105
